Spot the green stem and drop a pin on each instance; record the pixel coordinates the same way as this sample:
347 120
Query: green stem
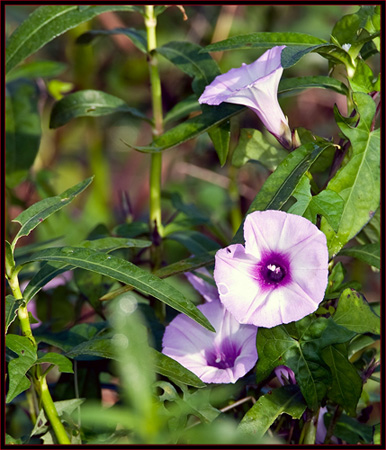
156 98
51 413
40 382
331 427
236 216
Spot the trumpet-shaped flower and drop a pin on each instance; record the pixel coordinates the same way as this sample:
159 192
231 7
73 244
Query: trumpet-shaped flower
255 86
221 357
279 276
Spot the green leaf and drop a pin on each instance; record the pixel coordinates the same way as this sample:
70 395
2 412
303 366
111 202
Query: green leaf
35 214
220 135
89 103
351 430
252 146
138 37
23 130
281 184
9 260
46 23
183 109
191 128
329 204
37 69
299 83
346 385
187 57
357 182
186 265
11 307
363 79
52 270
170 368
196 242
126 272
369 253
283 400
18 367
63 363
291 55
355 313
99 347
263 40
298 345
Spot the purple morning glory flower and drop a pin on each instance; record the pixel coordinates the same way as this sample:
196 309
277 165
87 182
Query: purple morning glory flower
285 375
221 357
255 86
279 276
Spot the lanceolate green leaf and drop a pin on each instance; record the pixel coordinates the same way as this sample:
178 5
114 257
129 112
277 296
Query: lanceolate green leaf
368 253
299 83
357 182
220 136
138 37
170 368
281 184
35 69
191 128
264 40
18 367
35 214
183 109
53 269
89 103
125 272
46 23
285 399
186 56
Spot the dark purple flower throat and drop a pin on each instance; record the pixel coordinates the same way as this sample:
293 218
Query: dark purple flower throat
272 271
223 356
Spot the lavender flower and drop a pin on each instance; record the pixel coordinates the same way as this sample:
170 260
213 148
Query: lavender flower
279 276
255 86
221 357
285 375
207 290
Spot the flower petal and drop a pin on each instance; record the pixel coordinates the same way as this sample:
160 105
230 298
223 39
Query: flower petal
207 290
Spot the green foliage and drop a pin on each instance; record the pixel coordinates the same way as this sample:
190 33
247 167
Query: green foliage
89 103
368 253
23 129
283 400
357 182
11 307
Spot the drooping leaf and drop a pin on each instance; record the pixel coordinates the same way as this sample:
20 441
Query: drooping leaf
11 307
23 129
35 214
346 384
368 253
170 368
355 313
358 182
350 430
126 272
252 146
89 103
285 399
63 363
138 37
46 23
298 345
264 40
18 367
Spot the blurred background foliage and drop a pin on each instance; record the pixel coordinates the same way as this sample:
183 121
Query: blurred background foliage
96 146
